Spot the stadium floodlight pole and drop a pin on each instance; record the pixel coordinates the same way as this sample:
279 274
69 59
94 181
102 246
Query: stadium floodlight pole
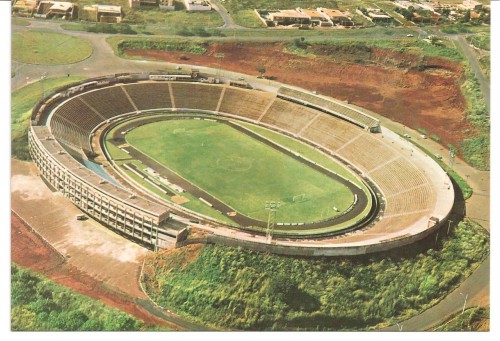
42 77
219 56
452 158
465 301
449 223
272 207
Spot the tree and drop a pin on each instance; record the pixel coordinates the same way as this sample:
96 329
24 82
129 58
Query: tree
466 17
262 70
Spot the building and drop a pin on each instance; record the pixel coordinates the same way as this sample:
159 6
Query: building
337 17
24 7
471 5
166 4
57 9
197 5
376 15
143 3
316 18
102 13
288 17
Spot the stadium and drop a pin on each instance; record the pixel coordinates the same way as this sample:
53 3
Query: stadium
168 159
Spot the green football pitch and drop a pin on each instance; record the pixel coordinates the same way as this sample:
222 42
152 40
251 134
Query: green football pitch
241 171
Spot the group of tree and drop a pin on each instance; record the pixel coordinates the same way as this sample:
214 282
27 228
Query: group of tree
233 288
38 304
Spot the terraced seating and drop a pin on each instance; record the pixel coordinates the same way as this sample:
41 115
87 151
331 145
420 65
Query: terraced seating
246 103
367 151
109 102
415 199
288 116
331 132
148 96
80 114
70 133
398 175
345 112
196 96
390 224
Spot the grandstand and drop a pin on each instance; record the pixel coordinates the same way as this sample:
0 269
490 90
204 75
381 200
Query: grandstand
335 108
280 112
108 102
196 96
149 96
331 133
410 186
245 103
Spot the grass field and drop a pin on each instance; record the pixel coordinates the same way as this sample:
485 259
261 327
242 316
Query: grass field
241 171
303 150
48 48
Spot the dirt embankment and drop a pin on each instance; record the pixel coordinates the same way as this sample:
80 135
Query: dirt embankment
419 92
30 251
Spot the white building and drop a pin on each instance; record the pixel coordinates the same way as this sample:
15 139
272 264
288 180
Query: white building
196 5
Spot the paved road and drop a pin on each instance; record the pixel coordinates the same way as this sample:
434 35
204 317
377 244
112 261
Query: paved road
452 303
228 20
484 82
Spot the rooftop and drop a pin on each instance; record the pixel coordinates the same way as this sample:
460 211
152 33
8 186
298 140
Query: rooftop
289 13
332 13
108 8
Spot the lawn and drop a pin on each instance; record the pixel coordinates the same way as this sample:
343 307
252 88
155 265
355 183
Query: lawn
48 48
241 171
304 150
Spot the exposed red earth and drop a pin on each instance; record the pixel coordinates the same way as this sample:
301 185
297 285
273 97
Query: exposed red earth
380 80
30 251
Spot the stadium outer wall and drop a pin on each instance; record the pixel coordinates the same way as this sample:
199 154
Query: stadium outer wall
138 221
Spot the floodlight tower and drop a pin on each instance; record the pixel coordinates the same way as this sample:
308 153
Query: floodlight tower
452 158
219 56
42 78
272 207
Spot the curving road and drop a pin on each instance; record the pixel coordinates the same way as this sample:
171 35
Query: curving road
468 52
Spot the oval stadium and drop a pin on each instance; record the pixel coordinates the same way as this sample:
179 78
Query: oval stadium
169 158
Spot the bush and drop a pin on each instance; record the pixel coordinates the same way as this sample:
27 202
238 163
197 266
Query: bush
39 304
233 288
422 131
435 138
162 45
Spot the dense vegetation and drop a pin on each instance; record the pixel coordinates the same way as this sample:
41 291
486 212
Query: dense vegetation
481 40
362 50
233 288
476 146
39 304
473 319
23 100
162 45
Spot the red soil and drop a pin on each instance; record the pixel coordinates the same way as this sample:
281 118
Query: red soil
29 250
386 83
